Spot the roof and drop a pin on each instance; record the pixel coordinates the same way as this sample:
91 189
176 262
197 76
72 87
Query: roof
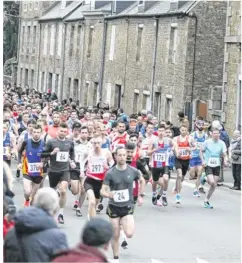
57 13
77 14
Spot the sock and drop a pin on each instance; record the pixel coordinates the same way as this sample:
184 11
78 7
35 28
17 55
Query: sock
206 200
77 198
122 234
164 193
154 193
61 211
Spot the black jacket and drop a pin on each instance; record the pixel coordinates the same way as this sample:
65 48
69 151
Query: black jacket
38 234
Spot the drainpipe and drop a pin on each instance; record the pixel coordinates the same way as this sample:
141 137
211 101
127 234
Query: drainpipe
193 15
38 59
103 59
154 63
19 33
126 59
63 62
83 49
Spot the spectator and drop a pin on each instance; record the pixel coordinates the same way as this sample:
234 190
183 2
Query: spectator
183 120
235 154
36 236
96 237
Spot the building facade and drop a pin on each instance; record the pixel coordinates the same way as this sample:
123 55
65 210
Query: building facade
165 56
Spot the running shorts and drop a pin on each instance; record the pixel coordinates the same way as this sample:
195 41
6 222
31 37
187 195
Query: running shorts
33 179
75 175
94 185
183 165
116 211
56 177
212 170
159 172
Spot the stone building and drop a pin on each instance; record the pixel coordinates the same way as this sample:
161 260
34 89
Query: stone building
161 55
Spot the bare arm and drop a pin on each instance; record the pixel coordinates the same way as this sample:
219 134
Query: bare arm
105 191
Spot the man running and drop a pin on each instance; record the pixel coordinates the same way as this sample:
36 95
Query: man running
118 187
159 152
98 162
213 149
61 153
121 137
196 164
31 164
184 143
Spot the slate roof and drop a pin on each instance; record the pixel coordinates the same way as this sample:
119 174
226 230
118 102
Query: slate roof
77 14
57 13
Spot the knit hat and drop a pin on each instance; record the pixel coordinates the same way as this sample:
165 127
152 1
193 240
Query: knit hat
97 232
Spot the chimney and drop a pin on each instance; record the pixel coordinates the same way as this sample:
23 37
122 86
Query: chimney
173 5
141 6
63 4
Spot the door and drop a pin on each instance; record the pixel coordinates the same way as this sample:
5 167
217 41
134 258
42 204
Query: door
117 101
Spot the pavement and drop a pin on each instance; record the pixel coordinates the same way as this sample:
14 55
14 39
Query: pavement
177 233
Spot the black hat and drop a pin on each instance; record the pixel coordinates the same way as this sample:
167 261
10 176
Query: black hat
97 232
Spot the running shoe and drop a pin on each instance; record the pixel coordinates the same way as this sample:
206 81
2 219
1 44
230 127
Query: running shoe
27 203
78 212
154 199
69 186
17 173
164 201
75 206
178 199
99 208
201 190
124 244
60 219
208 205
196 193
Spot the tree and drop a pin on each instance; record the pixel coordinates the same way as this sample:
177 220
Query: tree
10 29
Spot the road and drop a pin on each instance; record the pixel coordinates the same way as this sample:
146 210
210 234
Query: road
177 233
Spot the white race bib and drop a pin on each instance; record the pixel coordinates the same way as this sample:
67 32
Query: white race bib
184 152
32 167
79 156
213 161
160 157
121 196
62 157
5 150
97 168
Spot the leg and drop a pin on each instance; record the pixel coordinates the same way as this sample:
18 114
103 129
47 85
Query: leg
199 173
179 180
63 185
128 225
27 189
35 188
238 176
116 234
91 203
234 174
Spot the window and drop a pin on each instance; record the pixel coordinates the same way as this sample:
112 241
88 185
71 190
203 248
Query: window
78 44
30 5
52 40
34 39
157 104
172 45
23 38
75 88
45 40
59 44
50 78
57 80
146 101
21 76
25 6
71 41
32 79
90 42
26 80
168 109
86 93
95 93
108 93
117 99
69 85
28 39
42 81
112 43
139 40
136 101
36 5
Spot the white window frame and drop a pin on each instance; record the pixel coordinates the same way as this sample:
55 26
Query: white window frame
30 5
174 46
59 43
36 5
52 40
45 40
25 6
112 42
108 93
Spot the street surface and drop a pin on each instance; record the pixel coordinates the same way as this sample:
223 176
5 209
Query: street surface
177 233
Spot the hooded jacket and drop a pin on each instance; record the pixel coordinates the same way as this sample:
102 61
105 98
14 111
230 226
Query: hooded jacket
38 237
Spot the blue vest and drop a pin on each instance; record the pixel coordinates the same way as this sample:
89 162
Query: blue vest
33 156
200 141
106 145
6 144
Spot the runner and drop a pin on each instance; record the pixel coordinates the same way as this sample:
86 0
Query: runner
159 152
81 148
98 162
183 146
61 153
53 130
12 127
213 149
121 137
31 164
118 187
9 143
196 165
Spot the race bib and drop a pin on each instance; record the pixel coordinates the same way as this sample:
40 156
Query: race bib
97 168
62 157
121 196
184 152
78 156
32 167
6 150
199 145
160 157
213 161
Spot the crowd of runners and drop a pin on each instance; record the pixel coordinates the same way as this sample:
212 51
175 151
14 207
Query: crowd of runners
103 153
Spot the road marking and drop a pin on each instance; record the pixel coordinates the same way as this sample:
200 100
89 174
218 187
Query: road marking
199 260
